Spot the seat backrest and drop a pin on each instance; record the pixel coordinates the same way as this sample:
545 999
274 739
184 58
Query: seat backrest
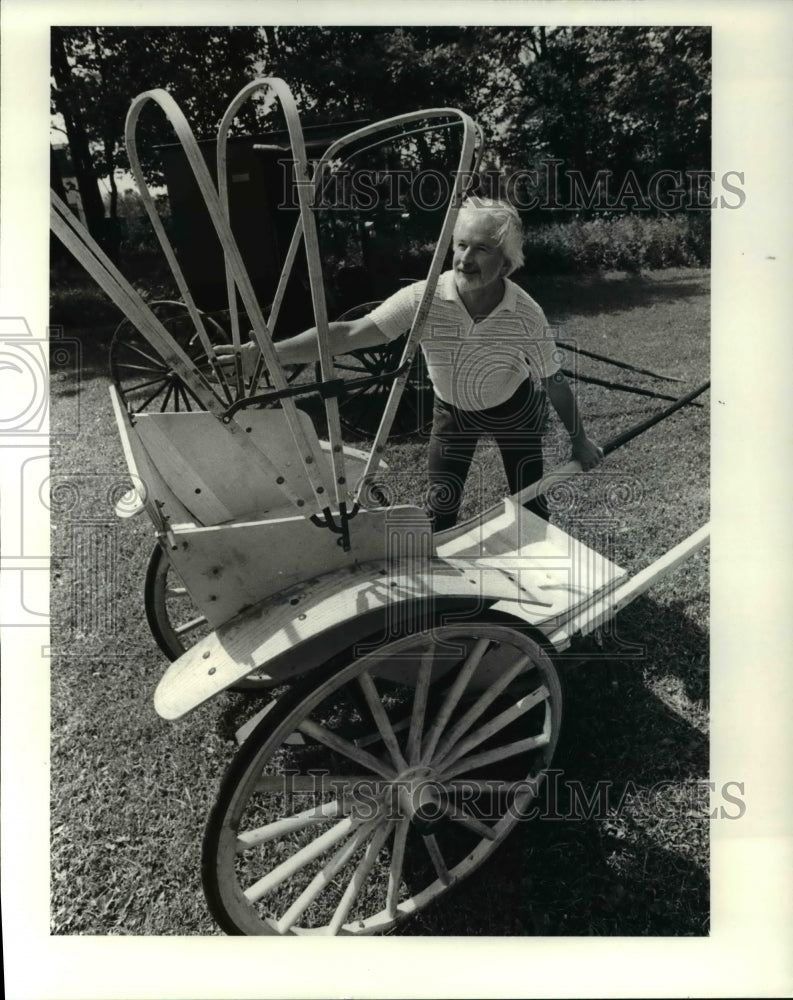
207 471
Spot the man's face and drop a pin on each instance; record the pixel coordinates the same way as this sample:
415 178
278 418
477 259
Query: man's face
478 260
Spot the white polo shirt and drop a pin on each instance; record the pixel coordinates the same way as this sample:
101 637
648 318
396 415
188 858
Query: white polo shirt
474 366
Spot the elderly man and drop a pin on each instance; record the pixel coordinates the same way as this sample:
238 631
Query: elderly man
490 356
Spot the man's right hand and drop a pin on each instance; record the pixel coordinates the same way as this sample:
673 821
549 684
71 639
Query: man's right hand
249 355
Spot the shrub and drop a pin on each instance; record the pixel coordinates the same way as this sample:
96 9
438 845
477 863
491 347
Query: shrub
627 243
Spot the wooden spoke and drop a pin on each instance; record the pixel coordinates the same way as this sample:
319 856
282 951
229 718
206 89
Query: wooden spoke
365 741
420 705
494 725
304 784
360 876
484 786
186 399
395 871
349 368
322 879
152 397
290 824
481 704
160 374
136 349
493 756
189 626
437 859
299 860
452 697
382 721
464 816
345 747
168 395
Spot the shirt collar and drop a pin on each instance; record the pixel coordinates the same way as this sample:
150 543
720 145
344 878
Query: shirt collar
447 289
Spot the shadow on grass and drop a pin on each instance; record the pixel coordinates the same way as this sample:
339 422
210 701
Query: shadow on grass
561 296
620 844
565 295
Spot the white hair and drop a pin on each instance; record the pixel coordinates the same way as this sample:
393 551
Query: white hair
510 230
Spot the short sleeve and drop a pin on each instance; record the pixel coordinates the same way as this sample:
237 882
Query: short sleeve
394 316
544 355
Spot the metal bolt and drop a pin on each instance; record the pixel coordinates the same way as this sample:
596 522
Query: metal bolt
279 479
301 503
205 654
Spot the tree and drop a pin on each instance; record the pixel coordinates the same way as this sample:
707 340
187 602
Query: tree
97 71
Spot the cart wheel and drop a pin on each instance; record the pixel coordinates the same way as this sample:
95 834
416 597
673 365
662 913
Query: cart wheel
361 410
144 380
174 620
376 785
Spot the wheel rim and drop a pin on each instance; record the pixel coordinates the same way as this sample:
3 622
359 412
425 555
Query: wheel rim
145 382
361 410
371 795
175 622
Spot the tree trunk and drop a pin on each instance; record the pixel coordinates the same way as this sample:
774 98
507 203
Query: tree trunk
84 173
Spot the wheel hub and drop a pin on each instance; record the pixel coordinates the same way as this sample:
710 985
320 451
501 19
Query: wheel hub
421 798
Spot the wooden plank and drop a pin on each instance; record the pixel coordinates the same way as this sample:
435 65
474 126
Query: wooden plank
192 488
194 451
333 603
544 564
229 567
596 615
161 503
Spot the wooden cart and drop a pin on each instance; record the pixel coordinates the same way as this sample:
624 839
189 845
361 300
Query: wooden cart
419 697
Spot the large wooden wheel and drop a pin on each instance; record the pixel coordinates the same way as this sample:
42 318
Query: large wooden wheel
367 792
361 410
144 381
147 384
175 622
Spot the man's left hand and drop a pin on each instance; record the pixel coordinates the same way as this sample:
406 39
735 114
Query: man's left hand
587 453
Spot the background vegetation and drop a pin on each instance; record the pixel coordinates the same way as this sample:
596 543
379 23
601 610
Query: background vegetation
130 793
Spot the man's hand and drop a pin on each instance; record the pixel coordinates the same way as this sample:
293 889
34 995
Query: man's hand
587 453
249 355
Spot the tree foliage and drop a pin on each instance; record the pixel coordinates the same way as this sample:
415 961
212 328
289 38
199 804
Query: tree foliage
593 98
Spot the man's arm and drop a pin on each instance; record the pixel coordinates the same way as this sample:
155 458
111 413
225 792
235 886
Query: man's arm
561 396
303 348
344 337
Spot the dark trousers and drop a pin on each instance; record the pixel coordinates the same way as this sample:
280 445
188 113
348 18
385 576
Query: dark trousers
517 426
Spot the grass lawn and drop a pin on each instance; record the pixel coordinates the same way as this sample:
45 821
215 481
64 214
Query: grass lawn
131 793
